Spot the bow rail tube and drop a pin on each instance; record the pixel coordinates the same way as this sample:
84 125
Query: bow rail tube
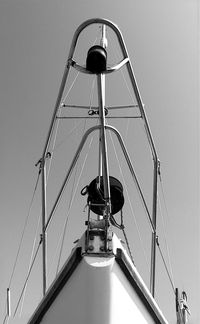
125 62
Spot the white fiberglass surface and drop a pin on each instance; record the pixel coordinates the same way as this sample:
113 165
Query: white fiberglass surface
97 292
125 303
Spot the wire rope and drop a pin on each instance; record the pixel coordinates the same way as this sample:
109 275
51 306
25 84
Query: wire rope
67 137
24 229
22 237
125 237
77 125
163 222
73 195
166 244
28 275
5 318
165 265
127 86
31 259
129 200
66 221
58 120
71 203
31 203
128 245
27 218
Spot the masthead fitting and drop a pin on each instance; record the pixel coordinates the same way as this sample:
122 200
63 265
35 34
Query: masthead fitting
96 61
96 198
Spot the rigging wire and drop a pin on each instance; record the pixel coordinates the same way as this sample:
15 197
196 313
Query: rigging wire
27 218
163 222
115 51
125 236
67 218
73 194
22 237
24 229
31 259
29 212
28 275
166 244
165 265
72 197
67 137
71 203
129 200
58 120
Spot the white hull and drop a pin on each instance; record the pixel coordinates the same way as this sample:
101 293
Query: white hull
93 289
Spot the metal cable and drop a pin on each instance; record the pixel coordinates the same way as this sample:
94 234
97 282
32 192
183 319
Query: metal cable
28 275
66 222
31 258
73 195
166 268
125 236
128 246
129 200
24 229
165 239
70 204
5 319
164 227
58 121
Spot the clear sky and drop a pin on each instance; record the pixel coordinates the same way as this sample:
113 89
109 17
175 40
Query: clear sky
162 38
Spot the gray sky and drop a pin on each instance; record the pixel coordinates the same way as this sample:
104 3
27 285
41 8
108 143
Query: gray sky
162 38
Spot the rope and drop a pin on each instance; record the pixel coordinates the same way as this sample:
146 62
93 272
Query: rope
29 272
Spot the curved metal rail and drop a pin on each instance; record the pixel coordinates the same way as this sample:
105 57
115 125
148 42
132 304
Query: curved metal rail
125 62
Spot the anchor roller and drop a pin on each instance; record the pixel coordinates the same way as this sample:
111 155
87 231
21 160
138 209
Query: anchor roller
96 199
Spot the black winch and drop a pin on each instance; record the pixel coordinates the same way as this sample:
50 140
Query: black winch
96 198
